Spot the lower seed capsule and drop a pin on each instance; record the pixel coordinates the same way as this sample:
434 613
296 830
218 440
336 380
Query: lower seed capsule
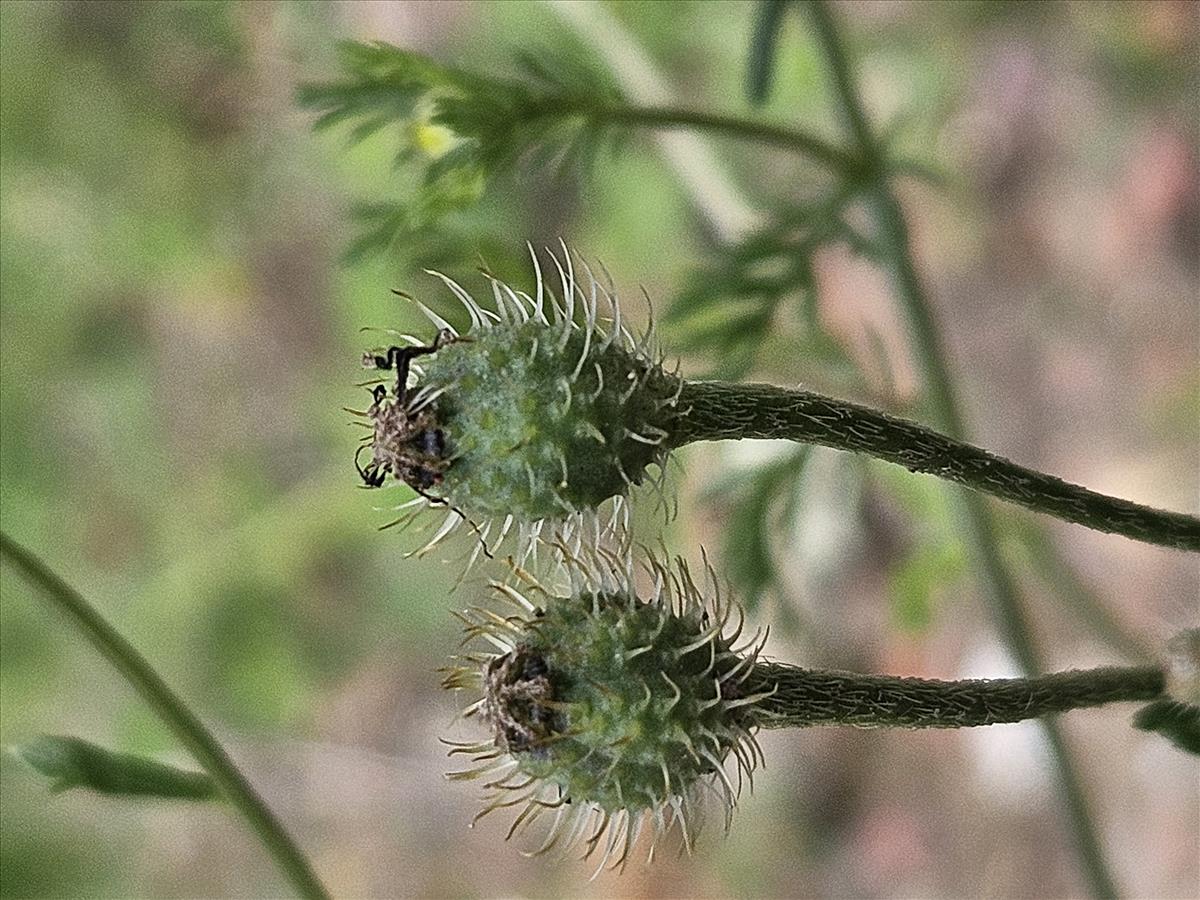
610 711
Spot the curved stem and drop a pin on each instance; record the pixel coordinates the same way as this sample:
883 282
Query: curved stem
713 411
979 528
191 732
802 697
837 160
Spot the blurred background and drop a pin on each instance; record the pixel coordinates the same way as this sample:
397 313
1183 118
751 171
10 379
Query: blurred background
179 329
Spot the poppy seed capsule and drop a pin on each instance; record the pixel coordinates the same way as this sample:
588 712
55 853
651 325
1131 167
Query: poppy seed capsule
531 415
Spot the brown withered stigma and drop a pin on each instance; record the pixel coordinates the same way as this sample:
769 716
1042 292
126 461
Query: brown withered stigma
519 702
407 441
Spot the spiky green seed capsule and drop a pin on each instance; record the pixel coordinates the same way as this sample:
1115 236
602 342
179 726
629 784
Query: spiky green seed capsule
548 417
540 427
535 414
618 703
612 710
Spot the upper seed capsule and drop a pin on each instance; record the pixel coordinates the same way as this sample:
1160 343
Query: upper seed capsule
540 411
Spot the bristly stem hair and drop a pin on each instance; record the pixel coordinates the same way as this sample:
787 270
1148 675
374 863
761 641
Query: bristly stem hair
187 727
804 697
719 411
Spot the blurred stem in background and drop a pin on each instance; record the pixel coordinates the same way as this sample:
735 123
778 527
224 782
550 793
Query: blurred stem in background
190 731
979 529
665 117
720 203
1031 542
729 217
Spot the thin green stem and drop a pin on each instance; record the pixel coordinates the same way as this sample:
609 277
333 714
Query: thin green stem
849 106
761 69
191 732
712 411
798 697
1032 543
979 529
658 117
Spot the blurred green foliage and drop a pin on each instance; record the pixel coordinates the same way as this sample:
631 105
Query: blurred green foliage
73 763
177 338
733 301
173 361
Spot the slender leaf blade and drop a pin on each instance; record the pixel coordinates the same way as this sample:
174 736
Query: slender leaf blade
71 762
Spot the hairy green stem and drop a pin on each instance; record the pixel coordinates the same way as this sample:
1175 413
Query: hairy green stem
716 411
802 697
979 528
191 732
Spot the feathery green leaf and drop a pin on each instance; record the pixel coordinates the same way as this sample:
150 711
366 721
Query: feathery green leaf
732 303
762 504
459 130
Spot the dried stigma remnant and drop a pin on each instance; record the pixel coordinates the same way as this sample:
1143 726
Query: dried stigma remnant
546 408
610 713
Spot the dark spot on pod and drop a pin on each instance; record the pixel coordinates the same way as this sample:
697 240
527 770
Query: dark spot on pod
431 442
535 667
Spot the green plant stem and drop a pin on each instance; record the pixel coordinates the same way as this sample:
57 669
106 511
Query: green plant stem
713 411
1030 542
658 117
191 732
803 697
979 530
761 70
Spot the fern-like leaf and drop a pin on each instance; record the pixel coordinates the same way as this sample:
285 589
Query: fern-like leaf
731 305
459 130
